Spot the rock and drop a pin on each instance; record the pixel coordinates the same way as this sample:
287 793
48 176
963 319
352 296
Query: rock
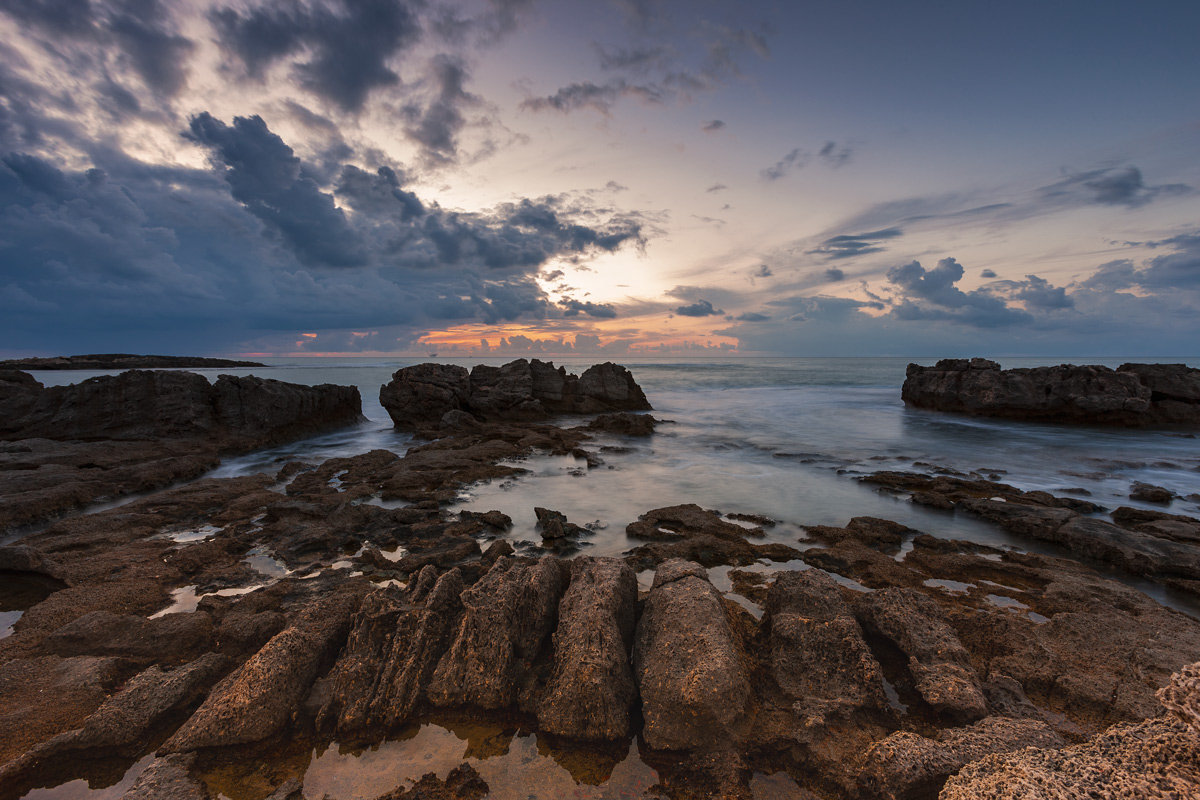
18 393
624 424
508 618
457 421
554 524
125 723
239 414
395 644
907 765
684 521
1181 697
463 783
1135 395
592 688
1149 493
262 697
291 789
694 685
168 778
1154 760
939 664
818 656
521 390
167 640
19 558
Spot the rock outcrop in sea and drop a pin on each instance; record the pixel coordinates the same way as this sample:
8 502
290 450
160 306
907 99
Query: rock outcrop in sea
1133 395
430 394
62 447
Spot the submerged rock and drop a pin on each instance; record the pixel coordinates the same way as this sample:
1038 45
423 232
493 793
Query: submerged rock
1133 395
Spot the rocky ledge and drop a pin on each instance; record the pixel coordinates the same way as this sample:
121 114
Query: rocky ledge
64 447
109 361
1133 395
451 397
871 661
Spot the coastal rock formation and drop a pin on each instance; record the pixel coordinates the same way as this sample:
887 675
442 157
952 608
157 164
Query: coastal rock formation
235 414
694 685
1133 395
425 394
68 446
592 690
113 361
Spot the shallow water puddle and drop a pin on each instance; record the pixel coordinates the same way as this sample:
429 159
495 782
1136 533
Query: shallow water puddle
7 620
79 788
184 599
520 767
18 594
187 535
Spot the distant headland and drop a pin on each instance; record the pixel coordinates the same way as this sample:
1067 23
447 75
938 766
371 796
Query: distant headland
124 361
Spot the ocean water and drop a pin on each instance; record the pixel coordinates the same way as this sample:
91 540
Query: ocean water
782 437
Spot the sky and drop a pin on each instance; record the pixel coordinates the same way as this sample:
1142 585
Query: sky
616 177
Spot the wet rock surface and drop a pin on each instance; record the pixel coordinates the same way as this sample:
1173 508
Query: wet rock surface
877 662
1133 395
521 390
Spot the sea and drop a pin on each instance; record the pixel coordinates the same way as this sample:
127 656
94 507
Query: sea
785 438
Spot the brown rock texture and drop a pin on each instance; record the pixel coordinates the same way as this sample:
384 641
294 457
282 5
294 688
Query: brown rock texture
688 666
592 690
1133 395
423 395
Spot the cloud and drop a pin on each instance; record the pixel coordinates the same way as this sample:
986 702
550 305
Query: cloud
762 271
712 126
835 156
1179 269
932 295
348 46
573 308
1114 186
796 159
637 60
833 275
597 97
987 273
716 187
751 316
436 125
850 245
701 308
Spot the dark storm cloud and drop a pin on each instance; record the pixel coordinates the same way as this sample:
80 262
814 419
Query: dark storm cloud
932 295
712 126
796 159
701 308
265 176
435 127
348 47
139 33
1116 186
834 155
379 194
855 244
573 308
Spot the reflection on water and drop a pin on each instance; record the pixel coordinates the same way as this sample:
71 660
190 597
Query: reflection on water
112 788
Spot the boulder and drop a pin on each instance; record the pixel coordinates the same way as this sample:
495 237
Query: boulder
507 620
168 778
421 396
688 665
1135 395
939 664
591 692
624 423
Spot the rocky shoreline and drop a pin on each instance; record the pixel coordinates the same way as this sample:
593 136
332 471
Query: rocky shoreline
1133 395
112 361
225 626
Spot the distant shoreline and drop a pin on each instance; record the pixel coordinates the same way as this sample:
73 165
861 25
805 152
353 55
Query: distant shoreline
124 361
